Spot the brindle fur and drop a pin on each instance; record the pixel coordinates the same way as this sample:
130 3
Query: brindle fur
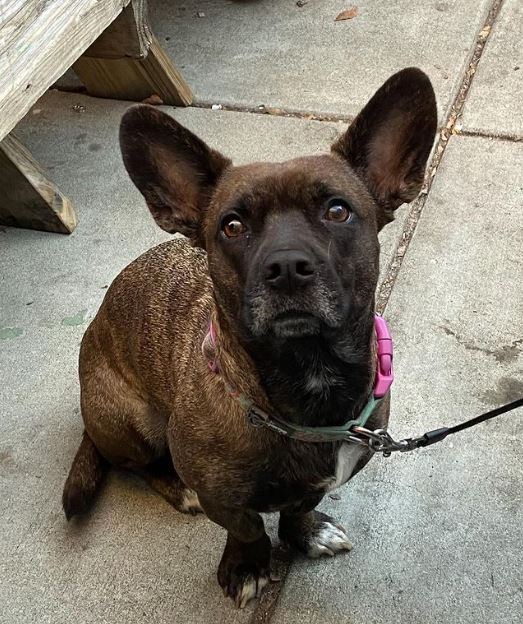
147 394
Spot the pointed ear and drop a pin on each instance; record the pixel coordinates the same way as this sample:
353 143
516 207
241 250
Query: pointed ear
174 170
389 142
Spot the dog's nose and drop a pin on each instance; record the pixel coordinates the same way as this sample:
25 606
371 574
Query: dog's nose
288 269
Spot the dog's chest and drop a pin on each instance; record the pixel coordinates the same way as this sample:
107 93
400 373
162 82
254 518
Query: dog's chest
303 478
346 460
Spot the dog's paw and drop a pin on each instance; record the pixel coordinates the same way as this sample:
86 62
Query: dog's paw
244 569
243 589
327 539
314 534
189 503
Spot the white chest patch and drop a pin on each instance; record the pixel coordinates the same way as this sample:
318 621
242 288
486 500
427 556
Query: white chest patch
348 457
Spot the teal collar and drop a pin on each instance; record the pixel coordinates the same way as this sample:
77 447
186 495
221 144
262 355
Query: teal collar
260 418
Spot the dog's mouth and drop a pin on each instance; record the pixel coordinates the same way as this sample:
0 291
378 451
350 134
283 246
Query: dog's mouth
295 324
309 312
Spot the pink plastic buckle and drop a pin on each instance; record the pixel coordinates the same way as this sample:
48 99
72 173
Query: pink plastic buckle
384 372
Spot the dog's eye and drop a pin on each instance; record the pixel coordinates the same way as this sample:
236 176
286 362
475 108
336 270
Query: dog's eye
233 227
338 212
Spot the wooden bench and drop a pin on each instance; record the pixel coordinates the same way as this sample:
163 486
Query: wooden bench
111 48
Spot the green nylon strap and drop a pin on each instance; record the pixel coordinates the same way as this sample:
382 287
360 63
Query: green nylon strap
260 418
343 430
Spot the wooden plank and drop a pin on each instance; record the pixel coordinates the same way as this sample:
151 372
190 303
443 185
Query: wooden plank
128 36
39 41
135 79
29 199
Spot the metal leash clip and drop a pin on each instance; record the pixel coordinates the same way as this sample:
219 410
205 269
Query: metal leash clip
254 418
380 441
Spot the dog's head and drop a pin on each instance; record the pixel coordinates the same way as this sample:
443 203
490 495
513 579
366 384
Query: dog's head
292 247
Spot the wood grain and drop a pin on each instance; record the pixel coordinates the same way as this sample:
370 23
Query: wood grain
135 79
29 199
128 36
39 41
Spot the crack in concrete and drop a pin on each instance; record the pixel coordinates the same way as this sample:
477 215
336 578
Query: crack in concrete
451 128
281 560
275 111
332 118
511 138
505 354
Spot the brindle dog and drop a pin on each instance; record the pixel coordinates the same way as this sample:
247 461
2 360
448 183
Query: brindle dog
283 259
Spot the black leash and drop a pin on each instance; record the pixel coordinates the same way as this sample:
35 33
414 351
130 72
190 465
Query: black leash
382 442
431 437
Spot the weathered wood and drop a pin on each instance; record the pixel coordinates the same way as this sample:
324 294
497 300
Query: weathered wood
28 198
128 36
39 41
135 79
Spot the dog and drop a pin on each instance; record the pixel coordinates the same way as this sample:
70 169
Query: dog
267 301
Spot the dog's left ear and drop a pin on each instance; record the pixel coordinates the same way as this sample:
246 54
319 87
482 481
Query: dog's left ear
389 142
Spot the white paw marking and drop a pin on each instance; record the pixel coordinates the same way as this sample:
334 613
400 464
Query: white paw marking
251 588
190 502
329 540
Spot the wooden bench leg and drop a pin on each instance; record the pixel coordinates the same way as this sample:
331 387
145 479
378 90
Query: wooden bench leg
28 198
127 62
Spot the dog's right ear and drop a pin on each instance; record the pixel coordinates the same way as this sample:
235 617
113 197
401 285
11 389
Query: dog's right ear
174 170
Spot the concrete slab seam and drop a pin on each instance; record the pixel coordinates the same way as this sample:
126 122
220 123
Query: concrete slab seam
281 561
510 138
307 115
451 128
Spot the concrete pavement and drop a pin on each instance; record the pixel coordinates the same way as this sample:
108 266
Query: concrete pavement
279 54
437 533
496 97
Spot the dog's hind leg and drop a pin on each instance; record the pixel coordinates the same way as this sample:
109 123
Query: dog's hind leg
132 437
164 479
123 430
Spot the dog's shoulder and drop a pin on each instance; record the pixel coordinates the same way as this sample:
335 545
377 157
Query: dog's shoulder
176 258
165 288
172 269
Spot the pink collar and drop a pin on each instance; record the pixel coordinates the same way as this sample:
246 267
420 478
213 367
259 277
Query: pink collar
384 371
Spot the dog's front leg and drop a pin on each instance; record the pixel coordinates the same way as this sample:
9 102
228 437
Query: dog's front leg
245 565
312 532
